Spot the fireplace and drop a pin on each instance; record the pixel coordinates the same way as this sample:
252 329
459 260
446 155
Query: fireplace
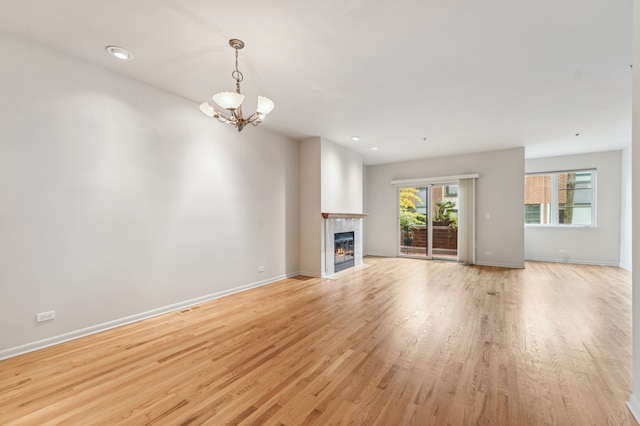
336 225
343 256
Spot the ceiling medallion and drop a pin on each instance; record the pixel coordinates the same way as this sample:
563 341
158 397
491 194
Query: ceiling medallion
232 101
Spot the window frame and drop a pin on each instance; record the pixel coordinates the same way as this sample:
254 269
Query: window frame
554 205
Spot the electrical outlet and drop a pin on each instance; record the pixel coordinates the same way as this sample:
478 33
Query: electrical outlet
260 268
562 251
45 316
487 253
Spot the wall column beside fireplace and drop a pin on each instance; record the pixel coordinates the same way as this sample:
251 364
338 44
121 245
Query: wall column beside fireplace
341 222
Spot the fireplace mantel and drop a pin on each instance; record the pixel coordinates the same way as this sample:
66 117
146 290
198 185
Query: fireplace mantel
344 215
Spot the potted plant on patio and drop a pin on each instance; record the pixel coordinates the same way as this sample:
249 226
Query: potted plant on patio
409 222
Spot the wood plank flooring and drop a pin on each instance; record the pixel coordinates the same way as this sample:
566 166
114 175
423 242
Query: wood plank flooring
399 341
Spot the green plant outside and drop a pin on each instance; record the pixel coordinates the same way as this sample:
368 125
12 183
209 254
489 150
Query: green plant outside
409 221
409 218
444 213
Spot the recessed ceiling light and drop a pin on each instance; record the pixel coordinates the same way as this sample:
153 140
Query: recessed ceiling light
375 148
355 138
119 53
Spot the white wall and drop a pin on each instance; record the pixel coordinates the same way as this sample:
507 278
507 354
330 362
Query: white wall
341 179
118 200
599 245
634 399
499 192
310 207
625 210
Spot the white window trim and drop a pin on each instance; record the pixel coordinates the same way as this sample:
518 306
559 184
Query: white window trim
554 206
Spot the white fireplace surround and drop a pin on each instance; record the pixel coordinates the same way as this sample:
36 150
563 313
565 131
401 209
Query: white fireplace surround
341 222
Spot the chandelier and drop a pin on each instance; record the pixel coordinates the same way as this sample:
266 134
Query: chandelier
232 101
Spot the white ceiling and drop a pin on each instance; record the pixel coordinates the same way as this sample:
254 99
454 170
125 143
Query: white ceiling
466 75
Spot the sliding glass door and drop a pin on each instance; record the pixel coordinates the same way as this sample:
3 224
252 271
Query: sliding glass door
427 220
413 221
444 223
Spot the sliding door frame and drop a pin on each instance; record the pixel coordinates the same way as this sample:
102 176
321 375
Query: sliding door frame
429 182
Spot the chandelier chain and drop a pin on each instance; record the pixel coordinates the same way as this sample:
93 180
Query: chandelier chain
237 75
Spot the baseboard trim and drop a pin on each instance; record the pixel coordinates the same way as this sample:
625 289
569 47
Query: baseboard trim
634 406
380 255
310 274
76 334
574 261
501 265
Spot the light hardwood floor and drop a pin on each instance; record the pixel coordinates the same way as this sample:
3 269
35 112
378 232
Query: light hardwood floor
400 341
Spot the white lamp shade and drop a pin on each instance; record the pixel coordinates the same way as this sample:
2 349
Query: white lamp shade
265 105
207 109
228 100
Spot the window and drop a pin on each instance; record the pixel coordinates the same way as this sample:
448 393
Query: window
560 199
451 191
533 213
